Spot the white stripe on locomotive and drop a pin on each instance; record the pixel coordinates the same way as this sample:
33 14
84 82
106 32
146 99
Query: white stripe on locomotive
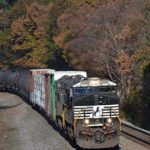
104 111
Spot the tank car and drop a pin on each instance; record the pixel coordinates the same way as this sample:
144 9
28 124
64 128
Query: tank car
3 81
15 82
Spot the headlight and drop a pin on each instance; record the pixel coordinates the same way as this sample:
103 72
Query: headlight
109 120
86 121
104 127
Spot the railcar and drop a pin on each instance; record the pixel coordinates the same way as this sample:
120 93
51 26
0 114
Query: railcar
86 109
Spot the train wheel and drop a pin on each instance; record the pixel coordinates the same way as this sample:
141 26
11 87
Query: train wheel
65 131
70 132
4 90
60 123
116 147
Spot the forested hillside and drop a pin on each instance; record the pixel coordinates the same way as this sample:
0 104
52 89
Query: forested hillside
106 38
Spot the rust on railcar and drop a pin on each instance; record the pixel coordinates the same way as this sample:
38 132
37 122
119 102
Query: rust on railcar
40 88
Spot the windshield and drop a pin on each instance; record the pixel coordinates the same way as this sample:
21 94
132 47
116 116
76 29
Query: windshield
105 89
93 90
83 90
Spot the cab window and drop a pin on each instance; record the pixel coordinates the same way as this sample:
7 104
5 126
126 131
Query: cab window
83 90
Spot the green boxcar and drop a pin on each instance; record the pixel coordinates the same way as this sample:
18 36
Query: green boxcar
52 98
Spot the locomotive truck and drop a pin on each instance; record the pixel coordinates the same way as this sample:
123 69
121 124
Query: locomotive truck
86 109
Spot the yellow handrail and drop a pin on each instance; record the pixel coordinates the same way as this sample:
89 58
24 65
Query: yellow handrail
63 116
118 118
75 121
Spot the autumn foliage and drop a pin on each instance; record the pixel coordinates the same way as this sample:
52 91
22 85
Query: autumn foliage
28 37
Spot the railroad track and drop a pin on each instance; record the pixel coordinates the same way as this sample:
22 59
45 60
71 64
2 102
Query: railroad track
135 133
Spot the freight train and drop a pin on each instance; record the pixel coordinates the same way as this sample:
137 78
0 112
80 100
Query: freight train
86 109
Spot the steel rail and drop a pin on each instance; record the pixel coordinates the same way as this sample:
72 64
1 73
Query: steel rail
135 132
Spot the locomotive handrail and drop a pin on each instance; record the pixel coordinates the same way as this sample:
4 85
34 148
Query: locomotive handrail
63 115
118 118
75 121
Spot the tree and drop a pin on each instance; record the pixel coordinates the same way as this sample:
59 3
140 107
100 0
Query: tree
28 37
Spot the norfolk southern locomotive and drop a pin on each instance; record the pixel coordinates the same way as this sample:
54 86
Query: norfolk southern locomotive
86 109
